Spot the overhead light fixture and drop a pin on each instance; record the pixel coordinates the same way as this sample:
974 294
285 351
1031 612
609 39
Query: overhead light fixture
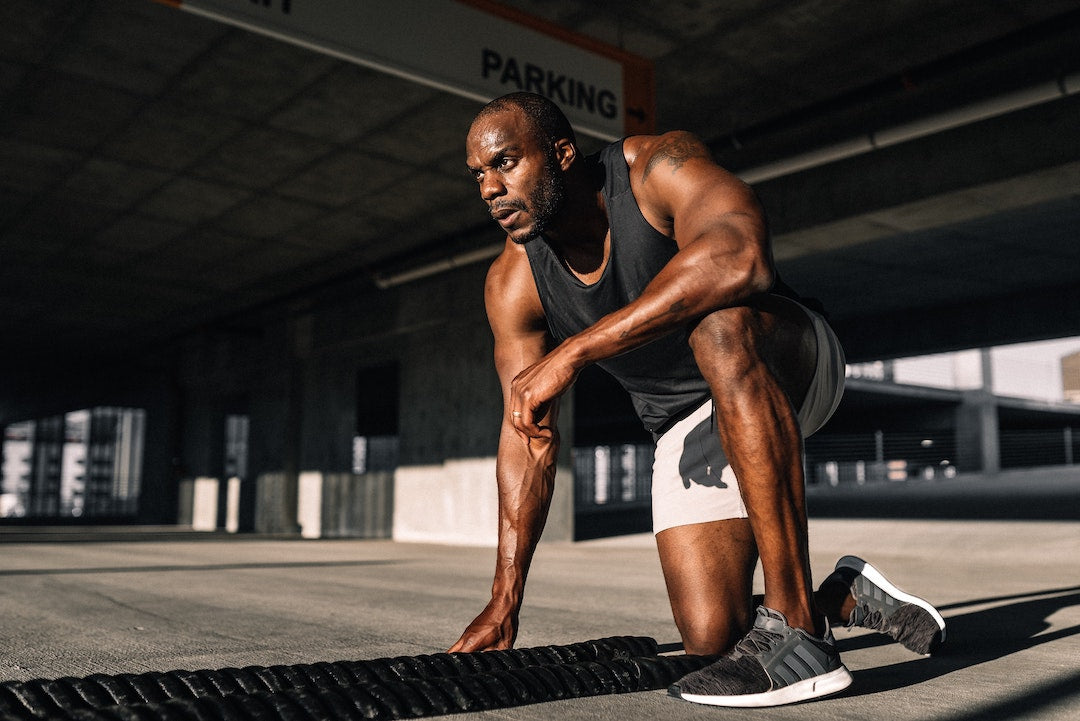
966 115
459 260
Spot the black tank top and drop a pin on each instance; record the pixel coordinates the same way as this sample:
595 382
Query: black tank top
662 378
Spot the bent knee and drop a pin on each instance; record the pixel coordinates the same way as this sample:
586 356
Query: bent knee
724 344
771 334
727 330
712 634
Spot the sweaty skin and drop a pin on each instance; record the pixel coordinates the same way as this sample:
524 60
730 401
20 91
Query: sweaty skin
723 262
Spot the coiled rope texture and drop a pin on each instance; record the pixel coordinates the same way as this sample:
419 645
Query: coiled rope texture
387 688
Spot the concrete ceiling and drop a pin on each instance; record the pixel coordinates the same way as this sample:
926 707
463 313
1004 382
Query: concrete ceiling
161 172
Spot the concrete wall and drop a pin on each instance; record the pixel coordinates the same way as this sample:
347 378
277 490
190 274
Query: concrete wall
299 373
345 505
296 371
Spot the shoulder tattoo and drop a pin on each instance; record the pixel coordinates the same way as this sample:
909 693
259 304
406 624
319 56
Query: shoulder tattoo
674 150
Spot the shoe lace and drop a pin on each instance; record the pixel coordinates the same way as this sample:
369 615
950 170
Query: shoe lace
872 618
756 641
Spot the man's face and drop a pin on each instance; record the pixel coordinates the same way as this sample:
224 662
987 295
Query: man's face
520 181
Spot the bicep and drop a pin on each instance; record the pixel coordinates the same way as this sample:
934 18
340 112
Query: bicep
514 352
712 203
683 192
515 315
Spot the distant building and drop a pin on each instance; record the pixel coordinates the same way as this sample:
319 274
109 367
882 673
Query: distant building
1070 377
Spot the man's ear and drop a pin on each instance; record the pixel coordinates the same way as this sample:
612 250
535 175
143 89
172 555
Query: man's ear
565 153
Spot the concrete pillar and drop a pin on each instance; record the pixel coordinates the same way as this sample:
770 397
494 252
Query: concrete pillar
277 418
232 505
977 432
329 420
275 503
159 495
204 505
185 501
271 511
198 503
208 504
300 342
309 504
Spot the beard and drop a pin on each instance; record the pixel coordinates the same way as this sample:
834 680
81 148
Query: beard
543 203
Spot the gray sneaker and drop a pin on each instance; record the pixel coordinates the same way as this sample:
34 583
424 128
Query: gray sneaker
773 664
881 606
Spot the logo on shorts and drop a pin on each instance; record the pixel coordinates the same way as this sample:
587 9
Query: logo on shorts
702 462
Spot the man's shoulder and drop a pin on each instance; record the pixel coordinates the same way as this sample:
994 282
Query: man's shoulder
508 264
641 150
633 145
645 152
510 284
655 191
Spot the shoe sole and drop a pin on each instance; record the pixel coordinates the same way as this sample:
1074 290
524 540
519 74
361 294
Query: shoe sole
878 578
811 688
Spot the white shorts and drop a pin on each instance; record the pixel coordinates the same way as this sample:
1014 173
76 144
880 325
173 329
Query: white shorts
692 481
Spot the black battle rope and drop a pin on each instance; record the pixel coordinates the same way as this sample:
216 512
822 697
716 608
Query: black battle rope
387 688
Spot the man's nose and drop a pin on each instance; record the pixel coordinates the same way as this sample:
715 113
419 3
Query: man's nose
491 187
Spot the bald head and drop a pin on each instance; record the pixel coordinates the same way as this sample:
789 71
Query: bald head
544 120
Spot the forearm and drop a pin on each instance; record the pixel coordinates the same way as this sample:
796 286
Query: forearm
526 478
692 285
525 474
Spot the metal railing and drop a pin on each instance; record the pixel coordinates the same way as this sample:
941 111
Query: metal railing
613 475
1025 448
620 475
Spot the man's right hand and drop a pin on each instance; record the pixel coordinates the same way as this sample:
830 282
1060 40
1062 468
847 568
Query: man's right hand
494 629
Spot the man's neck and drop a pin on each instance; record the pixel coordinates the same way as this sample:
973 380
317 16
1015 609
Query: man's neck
580 235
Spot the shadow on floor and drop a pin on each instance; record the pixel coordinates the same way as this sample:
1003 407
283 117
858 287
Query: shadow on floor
977 637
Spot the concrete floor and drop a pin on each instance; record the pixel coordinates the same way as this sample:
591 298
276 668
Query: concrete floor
1009 590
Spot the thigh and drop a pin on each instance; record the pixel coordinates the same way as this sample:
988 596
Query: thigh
709 569
770 331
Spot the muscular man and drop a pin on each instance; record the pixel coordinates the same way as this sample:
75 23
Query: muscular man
654 263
